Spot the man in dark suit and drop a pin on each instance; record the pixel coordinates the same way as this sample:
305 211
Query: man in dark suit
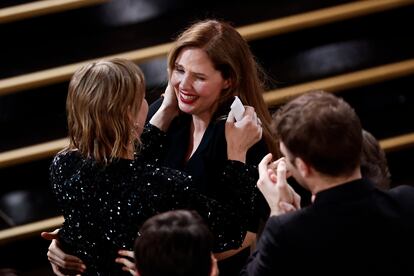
351 227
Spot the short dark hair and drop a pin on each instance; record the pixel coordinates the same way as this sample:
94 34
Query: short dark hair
174 243
323 130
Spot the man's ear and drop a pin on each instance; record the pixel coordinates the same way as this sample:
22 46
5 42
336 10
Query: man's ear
214 267
303 168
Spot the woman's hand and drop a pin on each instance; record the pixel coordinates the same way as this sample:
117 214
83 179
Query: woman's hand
273 185
62 263
242 135
167 111
127 259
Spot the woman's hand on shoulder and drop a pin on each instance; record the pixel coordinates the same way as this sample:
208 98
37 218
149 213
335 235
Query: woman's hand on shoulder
242 135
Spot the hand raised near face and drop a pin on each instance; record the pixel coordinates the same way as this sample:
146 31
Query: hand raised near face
167 111
242 135
272 183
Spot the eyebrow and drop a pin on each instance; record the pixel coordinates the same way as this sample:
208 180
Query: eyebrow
197 74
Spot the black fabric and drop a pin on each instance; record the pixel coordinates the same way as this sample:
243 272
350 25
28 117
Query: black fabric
350 228
206 164
104 205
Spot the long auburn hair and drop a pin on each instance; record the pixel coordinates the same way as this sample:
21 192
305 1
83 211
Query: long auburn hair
231 55
102 97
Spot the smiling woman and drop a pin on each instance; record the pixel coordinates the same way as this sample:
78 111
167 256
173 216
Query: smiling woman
197 83
208 65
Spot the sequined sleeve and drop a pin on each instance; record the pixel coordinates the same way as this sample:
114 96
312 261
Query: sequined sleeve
171 189
241 179
153 144
238 181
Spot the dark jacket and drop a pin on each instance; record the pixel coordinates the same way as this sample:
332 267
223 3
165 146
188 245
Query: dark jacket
349 229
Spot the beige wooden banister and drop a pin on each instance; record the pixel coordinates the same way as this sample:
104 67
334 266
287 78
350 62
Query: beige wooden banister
343 82
31 153
397 143
319 17
250 32
30 229
37 8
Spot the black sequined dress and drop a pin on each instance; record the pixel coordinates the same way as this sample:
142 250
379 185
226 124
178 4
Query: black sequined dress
104 206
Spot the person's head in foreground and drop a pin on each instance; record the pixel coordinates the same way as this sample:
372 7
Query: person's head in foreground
175 243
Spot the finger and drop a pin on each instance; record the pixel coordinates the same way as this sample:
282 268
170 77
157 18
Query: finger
130 270
249 110
66 269
296 200
281 173
286 207
274 164
169 90
254 117
263 170
50 235
56 251
126 253
230 117
63 265
264 163
63 260
272 175
56 270
128 264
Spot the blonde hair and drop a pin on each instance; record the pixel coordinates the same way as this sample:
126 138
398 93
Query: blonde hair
230 54
102 97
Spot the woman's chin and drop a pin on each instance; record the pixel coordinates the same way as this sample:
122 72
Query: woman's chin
185 108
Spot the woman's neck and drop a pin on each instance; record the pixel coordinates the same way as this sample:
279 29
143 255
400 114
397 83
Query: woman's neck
197 130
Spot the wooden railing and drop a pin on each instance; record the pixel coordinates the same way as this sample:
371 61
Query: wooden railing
397 143
30 229
32 153
250 32
37 8
343 82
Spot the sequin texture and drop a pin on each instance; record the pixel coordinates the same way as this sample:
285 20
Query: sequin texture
104 206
